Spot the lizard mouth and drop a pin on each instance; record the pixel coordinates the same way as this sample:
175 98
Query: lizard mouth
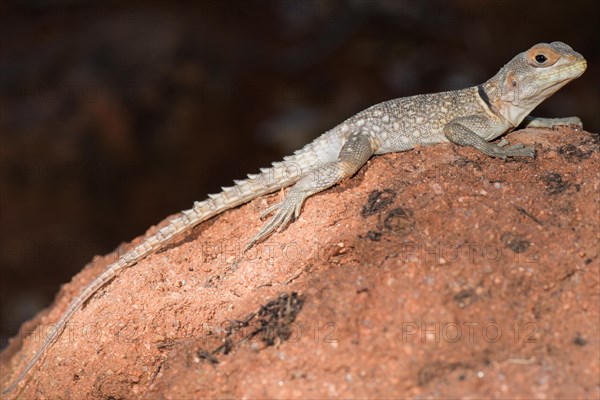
573 71
566 74
581 67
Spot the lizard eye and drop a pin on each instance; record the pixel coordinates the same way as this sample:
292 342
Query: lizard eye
540 58
542 55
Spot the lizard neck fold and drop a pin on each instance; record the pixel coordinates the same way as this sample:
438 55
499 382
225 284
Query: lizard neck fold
482 93
488 94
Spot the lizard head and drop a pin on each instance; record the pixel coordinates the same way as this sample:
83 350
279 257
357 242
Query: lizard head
533 76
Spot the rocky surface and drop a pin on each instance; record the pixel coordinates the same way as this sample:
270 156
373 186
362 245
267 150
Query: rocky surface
438 272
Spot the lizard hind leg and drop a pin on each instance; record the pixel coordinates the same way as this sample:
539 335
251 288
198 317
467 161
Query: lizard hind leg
355 152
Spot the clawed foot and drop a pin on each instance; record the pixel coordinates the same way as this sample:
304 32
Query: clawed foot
501 150
551 123
572 122
284 211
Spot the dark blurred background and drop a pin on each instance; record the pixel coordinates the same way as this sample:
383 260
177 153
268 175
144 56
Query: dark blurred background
115 115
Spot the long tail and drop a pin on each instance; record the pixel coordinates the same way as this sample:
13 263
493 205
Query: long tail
280 175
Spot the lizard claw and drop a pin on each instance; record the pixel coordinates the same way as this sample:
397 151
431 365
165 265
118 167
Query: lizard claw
502 150
269 210
503 142
572 122
284 211
553 123
518 150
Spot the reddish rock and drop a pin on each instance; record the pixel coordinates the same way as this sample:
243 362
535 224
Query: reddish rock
438 272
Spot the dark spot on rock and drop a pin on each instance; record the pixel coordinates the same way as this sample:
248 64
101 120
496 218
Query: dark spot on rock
588 261
378 201
572 153
428 373
579 340
399 220
374 235
554 183
438 369
272 323
463 162
515 242
464 297
206 356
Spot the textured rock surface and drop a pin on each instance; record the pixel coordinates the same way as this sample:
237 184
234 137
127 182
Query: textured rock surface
436 272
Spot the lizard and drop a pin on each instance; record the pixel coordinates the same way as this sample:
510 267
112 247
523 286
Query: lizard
468 117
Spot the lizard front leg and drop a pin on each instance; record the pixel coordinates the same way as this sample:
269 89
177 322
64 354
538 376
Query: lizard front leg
537 122
355 152
457 132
